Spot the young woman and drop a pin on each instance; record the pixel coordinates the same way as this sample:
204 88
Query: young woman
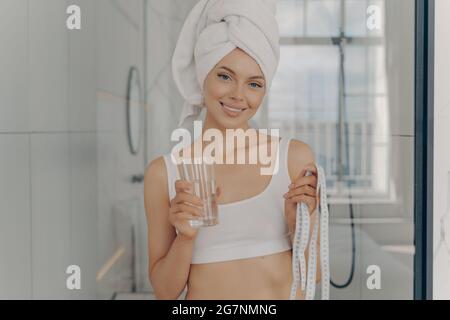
248 255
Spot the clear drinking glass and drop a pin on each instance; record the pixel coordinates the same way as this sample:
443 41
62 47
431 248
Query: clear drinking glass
202 177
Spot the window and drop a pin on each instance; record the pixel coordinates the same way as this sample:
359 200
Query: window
330 92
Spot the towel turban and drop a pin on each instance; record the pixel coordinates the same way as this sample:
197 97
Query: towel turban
213 29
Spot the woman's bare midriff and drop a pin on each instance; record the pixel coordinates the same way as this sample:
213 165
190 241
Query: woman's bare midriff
261 278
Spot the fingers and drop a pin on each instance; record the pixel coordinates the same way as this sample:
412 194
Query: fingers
183 207
218 191
302 179
182 197
181 217
182 185
183 211
186 216
309 180
186 204
305 189
309 167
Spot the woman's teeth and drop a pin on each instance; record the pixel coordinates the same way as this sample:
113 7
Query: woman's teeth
231 109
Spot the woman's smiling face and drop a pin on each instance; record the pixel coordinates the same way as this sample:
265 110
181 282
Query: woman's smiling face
234 89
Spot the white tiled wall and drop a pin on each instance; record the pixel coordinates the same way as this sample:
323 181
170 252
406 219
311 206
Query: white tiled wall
48 58
50 207
83 208
14 112
441 207
83 70
15 217
65 162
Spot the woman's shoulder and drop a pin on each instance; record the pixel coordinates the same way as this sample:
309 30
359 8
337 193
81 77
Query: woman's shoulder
299 149
300 154
156 170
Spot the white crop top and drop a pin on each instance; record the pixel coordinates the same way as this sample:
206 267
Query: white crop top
247 228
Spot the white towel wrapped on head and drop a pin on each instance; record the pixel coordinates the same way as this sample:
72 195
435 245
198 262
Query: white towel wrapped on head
213 29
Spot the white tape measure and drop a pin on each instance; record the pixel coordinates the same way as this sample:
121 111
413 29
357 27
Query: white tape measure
307 278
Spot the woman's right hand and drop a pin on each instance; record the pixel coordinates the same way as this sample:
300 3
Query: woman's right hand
184 207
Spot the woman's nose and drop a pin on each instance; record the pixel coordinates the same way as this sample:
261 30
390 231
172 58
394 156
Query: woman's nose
237 93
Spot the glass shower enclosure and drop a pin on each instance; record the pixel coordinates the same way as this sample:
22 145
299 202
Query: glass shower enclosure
346 86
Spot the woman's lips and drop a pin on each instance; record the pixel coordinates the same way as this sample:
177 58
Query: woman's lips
232 112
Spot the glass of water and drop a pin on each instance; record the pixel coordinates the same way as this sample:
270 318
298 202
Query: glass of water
201 175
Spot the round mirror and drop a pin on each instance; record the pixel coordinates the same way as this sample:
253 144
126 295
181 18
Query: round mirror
134 110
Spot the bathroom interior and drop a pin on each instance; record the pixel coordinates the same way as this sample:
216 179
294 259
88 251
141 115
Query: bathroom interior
84 111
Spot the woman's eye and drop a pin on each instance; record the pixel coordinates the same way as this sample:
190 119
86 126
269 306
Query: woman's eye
227 77
257 85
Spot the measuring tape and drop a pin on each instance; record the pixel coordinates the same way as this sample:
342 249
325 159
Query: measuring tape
307 278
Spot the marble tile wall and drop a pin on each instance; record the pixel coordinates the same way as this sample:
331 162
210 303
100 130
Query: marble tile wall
66 164
164 22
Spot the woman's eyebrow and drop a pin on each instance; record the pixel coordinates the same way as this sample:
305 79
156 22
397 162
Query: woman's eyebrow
228 69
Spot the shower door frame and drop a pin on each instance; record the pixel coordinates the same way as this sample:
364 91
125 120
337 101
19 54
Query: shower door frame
423 149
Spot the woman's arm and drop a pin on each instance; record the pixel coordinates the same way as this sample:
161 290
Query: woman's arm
170 254
299 156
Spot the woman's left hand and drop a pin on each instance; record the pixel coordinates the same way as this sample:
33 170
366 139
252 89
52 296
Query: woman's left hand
303 189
